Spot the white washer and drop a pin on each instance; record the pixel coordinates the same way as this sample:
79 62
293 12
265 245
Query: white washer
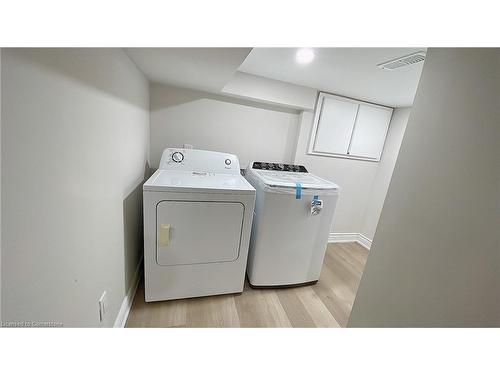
197 222
293 216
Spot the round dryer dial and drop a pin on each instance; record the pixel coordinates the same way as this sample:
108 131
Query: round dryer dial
177 156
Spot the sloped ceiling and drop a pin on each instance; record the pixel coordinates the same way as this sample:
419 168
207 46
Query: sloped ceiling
349 72
207 69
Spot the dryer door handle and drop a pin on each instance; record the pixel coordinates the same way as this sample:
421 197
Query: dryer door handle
164 239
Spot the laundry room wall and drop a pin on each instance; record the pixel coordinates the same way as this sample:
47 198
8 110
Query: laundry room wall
435 257
385 168
271 91
256 131
75 143
362 182
251 130
0 184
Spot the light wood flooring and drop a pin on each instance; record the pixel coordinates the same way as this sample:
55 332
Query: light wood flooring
325 304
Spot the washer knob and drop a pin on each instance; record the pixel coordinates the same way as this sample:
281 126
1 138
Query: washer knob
177 157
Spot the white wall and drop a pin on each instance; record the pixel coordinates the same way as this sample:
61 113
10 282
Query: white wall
271 91
355 177
251 131
256 131
380 184
436 254
75 126
0 184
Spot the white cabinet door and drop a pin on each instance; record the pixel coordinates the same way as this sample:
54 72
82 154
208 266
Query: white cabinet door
336 121
349 128
369 132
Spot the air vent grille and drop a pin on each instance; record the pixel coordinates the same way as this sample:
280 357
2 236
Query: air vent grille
400 62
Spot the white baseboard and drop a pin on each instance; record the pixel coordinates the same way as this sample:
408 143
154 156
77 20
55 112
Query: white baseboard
121 318
343 237
364 241
350 237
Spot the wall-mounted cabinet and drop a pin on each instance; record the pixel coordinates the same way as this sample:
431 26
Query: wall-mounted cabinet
349 128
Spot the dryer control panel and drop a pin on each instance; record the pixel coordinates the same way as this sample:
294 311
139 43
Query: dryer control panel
190 160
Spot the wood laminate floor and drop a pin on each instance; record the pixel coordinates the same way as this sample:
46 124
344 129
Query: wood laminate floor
325 304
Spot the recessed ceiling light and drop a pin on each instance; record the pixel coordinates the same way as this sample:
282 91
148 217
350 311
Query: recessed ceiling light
304 55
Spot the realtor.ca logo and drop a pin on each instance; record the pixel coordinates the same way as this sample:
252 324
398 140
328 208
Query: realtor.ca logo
30 324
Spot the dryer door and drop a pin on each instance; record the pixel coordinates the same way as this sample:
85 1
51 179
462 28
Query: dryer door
190 232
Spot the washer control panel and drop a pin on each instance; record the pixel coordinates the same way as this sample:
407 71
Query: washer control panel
279 167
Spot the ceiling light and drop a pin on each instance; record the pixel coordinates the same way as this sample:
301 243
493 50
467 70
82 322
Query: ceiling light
304 55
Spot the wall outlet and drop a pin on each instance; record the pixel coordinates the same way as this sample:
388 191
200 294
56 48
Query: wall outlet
103 305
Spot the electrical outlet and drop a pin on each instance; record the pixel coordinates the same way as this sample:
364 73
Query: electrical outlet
103 304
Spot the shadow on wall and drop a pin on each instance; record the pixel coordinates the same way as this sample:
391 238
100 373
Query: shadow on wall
87 69
171 96
133 231
251 130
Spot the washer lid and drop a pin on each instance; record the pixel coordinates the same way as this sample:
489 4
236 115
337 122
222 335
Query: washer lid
184 181
290 180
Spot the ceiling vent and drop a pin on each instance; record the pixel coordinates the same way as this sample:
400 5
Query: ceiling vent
400 62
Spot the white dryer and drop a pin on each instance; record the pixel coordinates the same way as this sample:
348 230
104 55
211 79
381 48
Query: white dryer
293 218
197 221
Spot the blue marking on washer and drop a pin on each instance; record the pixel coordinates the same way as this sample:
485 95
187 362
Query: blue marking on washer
298 190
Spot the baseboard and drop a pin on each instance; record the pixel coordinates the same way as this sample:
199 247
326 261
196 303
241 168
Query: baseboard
121 318
364 241
350 237
343 237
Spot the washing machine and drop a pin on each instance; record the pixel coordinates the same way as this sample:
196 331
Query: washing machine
293 217
197 222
